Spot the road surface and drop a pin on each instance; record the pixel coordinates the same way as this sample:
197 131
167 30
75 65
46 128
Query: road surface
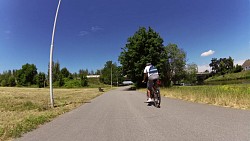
122 115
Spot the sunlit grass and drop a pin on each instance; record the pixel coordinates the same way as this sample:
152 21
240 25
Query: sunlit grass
235 96
23 109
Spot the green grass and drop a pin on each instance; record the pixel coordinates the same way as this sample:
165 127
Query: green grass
23 109
236 77
236 96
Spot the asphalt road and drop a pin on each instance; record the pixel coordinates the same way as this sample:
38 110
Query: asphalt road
121 115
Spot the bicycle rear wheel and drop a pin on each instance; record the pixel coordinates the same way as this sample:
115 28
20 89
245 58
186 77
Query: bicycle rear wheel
157 98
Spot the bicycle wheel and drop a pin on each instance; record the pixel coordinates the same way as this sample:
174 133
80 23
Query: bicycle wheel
157 98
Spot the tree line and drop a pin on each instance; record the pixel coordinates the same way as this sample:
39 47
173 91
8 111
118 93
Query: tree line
223 66
29 76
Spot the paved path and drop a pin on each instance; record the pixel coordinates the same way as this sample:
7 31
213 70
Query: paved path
121 115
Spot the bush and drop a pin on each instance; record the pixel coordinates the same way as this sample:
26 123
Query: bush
72 84
12 81
4 83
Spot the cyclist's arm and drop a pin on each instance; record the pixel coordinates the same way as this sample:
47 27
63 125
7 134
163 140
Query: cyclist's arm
145 77
145 74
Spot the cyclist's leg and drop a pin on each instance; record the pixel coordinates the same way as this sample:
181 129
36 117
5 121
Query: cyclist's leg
148 92
150 85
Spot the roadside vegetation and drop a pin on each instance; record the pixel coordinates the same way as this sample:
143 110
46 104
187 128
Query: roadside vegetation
24 109
232 78
234 95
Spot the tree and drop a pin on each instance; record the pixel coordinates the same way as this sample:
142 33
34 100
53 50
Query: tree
8 78
172 64
83 77
143 47
12 81
106 73
98 72
26 75
237 68
4 83
56 71
214 65
222 66
65 73
191 71
40 79
84 81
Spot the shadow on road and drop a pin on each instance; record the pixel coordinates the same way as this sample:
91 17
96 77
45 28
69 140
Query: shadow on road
152 104
129 88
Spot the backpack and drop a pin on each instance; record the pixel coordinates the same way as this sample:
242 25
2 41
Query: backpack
152 70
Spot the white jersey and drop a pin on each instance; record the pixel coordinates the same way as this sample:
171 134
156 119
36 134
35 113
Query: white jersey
146 70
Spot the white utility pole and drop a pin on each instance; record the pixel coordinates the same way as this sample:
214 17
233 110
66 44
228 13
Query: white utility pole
51 57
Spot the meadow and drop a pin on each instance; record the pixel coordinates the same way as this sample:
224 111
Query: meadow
24 109
233 95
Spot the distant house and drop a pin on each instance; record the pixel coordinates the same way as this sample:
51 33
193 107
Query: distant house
246 65
93 76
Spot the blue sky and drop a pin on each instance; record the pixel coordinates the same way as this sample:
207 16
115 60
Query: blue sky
90 33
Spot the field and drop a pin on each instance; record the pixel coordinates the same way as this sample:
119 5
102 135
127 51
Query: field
235 96
23 109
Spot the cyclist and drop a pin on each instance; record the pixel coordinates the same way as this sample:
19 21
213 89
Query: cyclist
151 73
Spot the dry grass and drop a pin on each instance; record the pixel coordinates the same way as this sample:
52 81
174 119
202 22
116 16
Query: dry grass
23 109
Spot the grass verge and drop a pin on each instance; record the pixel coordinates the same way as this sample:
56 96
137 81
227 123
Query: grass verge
24 109
233 78
235 96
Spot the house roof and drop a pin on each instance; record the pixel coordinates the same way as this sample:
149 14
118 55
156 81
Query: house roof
246 63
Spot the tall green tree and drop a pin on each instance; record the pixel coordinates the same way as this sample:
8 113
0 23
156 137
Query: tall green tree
110 69
214 65
65 72
172 64
143 47
40 79
26 75
83 77
56 71
191 71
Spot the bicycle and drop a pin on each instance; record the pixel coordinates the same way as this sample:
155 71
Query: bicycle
155 93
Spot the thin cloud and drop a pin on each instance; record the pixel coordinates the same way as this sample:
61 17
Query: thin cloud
208 53
96 28
83 33
92 29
